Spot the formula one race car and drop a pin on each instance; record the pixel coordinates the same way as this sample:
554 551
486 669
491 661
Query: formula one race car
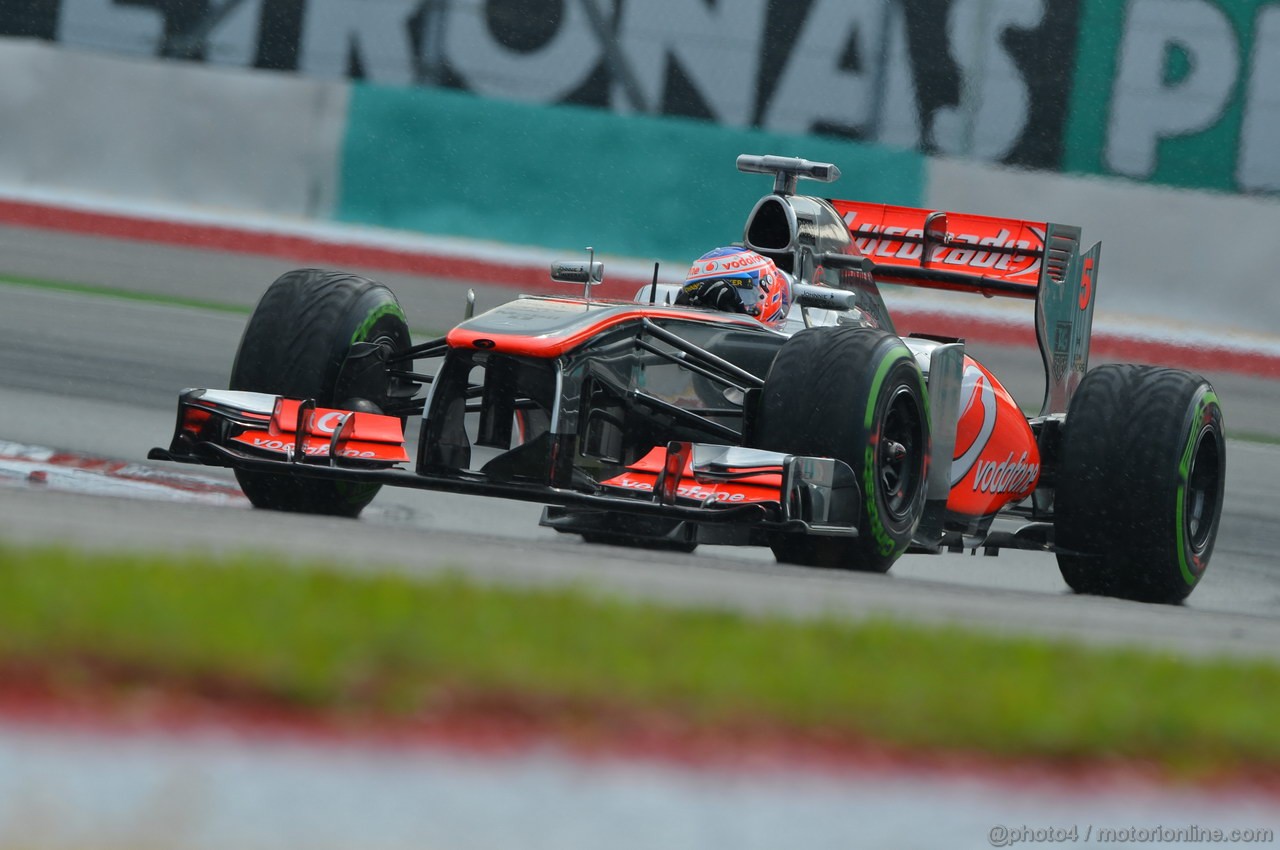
828 437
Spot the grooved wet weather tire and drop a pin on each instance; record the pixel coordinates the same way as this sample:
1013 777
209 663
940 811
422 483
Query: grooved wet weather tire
855 394
1140 485
294 345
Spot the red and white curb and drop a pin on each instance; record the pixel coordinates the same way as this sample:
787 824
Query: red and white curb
41 467
63 787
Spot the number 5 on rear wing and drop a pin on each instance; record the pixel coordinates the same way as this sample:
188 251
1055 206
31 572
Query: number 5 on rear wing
1005 257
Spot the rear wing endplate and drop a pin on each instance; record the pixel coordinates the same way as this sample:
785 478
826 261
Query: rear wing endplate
1064 323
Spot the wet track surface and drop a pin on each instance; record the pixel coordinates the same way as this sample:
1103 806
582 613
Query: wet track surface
99 376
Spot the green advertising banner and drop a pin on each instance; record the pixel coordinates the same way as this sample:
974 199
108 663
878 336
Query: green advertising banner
563 177
1180 92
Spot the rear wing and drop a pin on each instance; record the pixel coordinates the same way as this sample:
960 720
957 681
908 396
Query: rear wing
1008 257
939 250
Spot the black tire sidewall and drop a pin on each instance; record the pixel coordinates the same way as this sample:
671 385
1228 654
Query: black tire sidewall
828 395
1204 422
1130 435
294 345
892 533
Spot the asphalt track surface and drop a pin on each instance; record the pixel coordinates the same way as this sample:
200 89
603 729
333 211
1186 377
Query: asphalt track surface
99 375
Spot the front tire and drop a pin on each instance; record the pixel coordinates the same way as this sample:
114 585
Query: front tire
855 394
294 345
1141 483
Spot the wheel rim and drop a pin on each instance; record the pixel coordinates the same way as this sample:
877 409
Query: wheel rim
1200 499
898 471
391 344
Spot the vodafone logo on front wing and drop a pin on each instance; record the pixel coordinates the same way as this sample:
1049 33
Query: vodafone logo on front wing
327 423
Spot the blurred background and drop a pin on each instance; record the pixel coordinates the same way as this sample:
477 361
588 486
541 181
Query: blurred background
184 152
560 123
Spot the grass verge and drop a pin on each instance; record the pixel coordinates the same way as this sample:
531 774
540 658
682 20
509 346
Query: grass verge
122 294
389 646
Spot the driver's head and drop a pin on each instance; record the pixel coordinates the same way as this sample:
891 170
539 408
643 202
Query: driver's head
737 280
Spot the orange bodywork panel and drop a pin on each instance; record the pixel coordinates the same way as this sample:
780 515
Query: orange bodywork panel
642 476
368 436
997 461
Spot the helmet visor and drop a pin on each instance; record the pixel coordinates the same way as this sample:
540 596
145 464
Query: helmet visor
744 287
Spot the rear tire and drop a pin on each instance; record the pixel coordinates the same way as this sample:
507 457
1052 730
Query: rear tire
294 345
855 394
1141 482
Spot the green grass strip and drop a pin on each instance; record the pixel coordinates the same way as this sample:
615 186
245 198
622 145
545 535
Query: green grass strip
122 294
1255 437
389 644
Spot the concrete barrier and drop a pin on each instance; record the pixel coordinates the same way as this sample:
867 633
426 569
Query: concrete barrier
449 164
151 132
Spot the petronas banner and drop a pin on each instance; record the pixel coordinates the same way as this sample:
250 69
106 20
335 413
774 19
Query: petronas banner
1184 92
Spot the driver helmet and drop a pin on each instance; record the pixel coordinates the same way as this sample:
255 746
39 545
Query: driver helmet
739 280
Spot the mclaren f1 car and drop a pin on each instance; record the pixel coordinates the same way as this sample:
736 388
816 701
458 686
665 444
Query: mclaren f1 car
829 438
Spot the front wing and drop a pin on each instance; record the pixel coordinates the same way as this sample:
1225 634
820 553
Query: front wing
760 492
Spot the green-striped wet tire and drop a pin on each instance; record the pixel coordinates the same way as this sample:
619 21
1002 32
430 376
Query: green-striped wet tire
1140 485
294 345
855 394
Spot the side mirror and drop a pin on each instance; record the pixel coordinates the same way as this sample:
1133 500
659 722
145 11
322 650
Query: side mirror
585 272
823 297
